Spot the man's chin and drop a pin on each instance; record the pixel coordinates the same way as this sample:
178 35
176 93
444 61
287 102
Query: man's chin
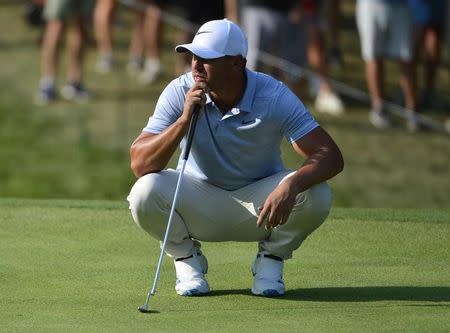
199 79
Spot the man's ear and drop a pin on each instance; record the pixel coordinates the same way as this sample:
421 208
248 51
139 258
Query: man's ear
239 62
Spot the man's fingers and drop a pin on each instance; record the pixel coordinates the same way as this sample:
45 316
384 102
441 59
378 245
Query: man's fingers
271 220
262 216
276 219
271 216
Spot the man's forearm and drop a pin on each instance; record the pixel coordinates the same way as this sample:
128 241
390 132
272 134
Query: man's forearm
319 167
151 153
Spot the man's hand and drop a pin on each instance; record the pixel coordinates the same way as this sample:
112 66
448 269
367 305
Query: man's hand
278 206
195 95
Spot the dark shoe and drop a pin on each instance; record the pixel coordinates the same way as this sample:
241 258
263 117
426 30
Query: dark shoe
45 95
75 92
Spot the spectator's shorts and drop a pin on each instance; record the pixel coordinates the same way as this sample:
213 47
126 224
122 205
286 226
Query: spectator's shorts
385 29
66 9
428 12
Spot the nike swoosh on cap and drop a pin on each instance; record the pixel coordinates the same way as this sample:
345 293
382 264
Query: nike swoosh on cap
203 32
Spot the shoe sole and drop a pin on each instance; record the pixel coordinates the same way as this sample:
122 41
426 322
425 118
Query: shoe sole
268 293
193 292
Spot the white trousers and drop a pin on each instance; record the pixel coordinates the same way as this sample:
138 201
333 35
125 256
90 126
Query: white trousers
204 212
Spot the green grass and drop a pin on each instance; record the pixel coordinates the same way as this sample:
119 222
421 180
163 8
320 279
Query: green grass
84 266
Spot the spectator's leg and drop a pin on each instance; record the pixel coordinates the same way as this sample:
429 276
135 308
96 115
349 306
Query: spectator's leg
406 83
375 81
137 39
334 27
152 41
152 31
49 61
316 55
326 101
77 37
103 15
50 46
432 47
75 51
418 37
136 47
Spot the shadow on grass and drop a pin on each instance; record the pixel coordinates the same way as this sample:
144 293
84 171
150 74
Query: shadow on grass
356 294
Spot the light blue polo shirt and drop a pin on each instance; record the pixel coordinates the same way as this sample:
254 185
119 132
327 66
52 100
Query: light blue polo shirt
236 149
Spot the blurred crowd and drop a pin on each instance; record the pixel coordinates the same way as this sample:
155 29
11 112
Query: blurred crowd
303 32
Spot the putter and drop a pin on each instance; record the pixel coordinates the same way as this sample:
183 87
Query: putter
144 308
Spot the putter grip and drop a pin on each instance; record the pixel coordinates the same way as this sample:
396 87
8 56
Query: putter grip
191 131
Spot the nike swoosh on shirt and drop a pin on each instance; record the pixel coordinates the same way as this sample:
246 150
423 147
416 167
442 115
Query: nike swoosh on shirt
249 124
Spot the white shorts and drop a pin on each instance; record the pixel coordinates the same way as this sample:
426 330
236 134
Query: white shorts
385 30
265 30
208 213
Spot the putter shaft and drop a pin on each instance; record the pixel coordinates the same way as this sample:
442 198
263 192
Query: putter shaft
187 148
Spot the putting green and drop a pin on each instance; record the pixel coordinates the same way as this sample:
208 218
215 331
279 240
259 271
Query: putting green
85 266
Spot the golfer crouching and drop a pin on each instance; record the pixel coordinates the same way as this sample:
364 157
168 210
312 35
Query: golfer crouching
235 186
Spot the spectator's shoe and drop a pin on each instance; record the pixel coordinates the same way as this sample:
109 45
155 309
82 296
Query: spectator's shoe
104 64
45 95
267 271
134 65
150 72
412 121
447 125
191 272
75 92
329 103
379 119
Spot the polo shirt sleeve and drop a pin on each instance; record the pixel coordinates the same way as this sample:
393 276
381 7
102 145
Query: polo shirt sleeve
297 121
168 108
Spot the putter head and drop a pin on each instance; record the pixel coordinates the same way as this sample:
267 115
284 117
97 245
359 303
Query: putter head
144 309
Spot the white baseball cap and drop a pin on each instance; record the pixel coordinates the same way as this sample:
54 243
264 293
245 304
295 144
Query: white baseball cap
216 39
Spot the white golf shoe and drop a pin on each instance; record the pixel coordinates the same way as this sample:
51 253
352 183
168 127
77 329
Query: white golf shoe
191 272
379 119
151 71
267 270
329 103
